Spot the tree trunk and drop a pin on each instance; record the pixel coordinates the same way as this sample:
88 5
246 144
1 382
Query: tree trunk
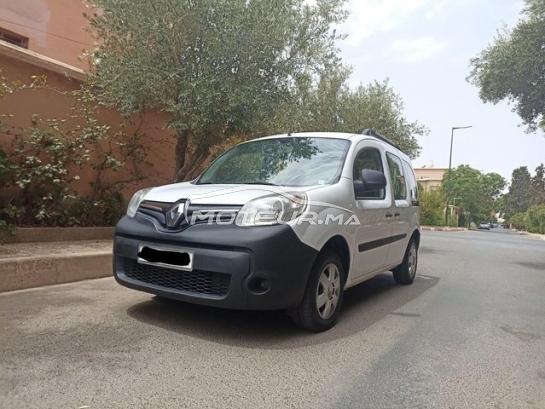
190 168
195 170
195 159
182 139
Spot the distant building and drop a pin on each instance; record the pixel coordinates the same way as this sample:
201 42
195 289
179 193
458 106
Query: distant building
429 176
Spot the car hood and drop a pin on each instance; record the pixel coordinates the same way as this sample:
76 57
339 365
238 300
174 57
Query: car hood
218 194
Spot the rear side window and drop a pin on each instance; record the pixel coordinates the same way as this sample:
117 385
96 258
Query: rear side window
411 183
368 159
397 177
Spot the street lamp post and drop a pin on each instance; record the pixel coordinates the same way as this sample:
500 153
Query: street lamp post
449 169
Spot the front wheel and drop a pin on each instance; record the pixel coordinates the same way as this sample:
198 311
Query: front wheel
323 297
406 271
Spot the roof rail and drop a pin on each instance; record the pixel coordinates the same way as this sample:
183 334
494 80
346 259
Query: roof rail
371 132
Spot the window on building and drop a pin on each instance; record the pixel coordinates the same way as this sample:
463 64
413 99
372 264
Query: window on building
13 38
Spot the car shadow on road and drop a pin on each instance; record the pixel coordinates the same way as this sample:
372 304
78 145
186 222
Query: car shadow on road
363 305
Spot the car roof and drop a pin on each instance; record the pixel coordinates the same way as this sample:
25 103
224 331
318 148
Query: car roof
337 135
355 137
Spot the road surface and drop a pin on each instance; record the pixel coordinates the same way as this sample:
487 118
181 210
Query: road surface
470 332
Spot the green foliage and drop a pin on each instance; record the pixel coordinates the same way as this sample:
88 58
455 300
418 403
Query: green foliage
333 106
537 187
518 221
525 191
525 201
226 70
432 205
512 67
219 67
535 219
517 198
477 192
38 169
5 165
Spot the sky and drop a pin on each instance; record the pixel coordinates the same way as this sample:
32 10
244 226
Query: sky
424 48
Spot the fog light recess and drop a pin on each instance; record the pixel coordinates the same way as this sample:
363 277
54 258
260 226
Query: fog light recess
259 285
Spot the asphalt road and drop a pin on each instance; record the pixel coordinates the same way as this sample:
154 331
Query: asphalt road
469 333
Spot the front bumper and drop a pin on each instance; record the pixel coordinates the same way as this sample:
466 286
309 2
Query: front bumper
228 263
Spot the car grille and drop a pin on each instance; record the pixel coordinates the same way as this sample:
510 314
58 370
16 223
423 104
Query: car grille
201 282
204 214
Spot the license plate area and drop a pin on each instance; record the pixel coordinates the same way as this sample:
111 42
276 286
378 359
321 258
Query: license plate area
177 259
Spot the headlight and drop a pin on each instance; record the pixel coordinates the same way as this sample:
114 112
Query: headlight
274 209
136 200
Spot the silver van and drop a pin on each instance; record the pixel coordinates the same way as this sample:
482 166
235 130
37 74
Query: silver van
285 222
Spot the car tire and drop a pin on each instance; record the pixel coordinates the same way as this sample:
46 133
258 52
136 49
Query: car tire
406 271
319 309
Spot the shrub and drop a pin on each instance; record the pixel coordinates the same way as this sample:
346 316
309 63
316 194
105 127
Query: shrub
432 206
518 221
535 219
40 164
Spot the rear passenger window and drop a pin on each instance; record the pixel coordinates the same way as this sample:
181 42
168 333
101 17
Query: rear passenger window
368 159
397 177
411 183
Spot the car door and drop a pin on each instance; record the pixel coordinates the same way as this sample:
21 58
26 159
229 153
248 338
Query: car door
374 212
402 209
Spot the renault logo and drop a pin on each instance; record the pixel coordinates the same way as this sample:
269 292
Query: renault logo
174 214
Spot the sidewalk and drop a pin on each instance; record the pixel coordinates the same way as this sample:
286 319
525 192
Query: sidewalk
536 235
26 265
442 228
45 262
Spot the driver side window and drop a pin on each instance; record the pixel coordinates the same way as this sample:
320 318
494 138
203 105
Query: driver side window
368 158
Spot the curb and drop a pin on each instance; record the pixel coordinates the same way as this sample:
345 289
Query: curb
439 228
51 234
534 235
18 274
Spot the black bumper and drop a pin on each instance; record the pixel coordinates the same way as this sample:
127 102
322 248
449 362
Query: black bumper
228 262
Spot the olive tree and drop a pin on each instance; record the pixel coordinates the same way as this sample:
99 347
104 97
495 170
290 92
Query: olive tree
512 67
333 106
218 68
379 107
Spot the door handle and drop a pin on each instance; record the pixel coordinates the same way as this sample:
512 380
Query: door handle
397 214
388 215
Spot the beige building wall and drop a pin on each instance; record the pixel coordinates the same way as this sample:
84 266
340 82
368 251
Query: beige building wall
429 176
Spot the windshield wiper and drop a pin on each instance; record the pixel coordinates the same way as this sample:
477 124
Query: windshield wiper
238 183
260 183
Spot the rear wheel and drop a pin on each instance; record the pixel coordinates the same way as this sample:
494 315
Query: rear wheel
323 297
406 271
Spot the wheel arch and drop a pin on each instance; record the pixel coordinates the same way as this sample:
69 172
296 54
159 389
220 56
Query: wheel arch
416 237
340 246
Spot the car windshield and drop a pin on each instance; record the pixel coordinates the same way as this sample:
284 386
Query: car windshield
288 161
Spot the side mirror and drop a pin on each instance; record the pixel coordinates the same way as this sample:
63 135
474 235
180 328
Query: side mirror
371 181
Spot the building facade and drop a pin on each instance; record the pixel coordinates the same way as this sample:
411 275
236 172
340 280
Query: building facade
47 38
429 176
